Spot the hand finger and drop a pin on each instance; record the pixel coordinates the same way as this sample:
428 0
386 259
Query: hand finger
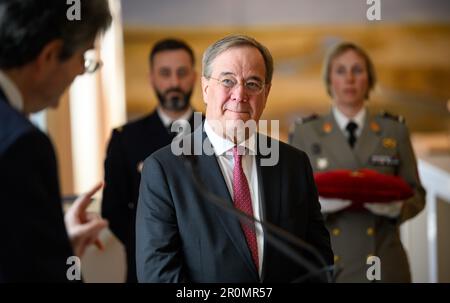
92 228
89 216
84 200
99 244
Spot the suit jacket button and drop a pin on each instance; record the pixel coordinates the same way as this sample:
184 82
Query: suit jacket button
370 231
336 232
336 258
130 205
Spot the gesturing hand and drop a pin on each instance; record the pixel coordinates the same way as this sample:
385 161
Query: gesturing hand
84 227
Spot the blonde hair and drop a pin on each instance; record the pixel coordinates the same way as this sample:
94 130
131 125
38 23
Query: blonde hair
338 50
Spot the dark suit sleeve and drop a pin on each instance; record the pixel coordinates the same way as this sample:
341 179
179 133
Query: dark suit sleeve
116 195
34 242
158 244
317 233
408 171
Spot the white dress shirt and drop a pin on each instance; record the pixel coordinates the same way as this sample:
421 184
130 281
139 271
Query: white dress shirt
223 149
11 91
166 120
342 120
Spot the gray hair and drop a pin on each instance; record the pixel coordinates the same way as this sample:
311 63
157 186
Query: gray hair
338 50
229 42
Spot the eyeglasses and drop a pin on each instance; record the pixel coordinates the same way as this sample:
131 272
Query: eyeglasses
91 62
252 86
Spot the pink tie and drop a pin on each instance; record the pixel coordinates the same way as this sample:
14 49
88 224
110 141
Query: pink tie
243 202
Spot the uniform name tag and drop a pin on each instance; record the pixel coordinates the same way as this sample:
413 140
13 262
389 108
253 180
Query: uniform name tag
383 160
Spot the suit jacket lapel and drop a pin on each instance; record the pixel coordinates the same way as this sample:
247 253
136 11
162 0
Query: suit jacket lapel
211 176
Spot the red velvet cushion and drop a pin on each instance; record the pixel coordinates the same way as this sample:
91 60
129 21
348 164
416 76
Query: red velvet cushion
363 186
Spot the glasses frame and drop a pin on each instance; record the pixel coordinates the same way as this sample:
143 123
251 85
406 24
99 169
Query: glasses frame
92 65
249 91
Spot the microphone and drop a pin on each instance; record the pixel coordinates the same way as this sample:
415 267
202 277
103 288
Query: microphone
270 231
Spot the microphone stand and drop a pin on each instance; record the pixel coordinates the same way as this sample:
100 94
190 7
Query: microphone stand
270 230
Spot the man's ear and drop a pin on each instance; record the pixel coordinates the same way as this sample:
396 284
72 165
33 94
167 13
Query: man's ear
205 88
49 55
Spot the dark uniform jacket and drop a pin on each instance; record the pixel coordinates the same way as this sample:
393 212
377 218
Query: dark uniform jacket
128 147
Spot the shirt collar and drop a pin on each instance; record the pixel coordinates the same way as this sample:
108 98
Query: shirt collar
342 120
11 91
166 120
222 145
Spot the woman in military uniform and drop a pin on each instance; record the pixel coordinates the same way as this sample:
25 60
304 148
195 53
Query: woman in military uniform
349 137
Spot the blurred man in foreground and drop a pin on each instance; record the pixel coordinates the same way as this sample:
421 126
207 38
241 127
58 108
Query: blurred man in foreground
41 52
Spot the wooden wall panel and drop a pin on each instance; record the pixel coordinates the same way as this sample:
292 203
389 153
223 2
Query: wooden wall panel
412 63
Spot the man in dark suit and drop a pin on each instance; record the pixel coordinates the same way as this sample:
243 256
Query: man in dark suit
41 52
173 77
181 236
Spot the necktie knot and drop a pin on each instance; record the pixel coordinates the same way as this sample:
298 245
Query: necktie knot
351 128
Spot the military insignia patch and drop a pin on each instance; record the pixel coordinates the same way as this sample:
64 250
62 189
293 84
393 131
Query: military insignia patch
389 143
327 127
387 115
307 119
375 127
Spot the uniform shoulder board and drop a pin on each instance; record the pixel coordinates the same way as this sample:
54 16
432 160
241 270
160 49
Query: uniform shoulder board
388 115
307 119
